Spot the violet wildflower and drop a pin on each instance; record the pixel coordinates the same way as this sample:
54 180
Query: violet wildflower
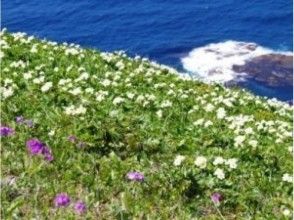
81 144
35 146
135 176
61 199
216 198
72 138
29 123
19 119
47 154
6 131
80 207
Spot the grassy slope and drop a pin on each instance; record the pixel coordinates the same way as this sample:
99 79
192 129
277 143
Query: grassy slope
131 135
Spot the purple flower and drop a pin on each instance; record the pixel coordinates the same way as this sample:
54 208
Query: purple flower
19 119
80 207
216 197
135 176
61 199
6 131
81 144
29 123
35 146
72 138
47 154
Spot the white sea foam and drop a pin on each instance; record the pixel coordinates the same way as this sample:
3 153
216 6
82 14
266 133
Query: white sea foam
214 62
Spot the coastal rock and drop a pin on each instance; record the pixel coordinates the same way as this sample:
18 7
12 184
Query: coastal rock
274 70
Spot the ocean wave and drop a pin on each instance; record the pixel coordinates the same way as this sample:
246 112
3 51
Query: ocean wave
214 62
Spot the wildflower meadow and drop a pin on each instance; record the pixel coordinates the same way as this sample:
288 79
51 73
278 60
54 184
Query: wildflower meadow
95 135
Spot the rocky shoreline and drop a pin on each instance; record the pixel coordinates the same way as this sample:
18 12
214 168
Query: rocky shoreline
275 70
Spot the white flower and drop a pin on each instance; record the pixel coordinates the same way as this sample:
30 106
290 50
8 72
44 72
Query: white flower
106 82
221 113
51 133
39 80
46 86
248 131
159 113
76 91
130 95
89 90
239 140
209 107
72 110
200 162
7 92
208 123
118 100
218 160
100 95
27 75
253 143
219 173
232 163
178 160
286 212
287 178
166 104
198 122
113 113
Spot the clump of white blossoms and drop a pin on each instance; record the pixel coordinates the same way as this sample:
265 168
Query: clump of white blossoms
253 143
287 178
118 100
166 104
218 160
159 113
46 87
6 92
239 141
232 163
221 113
178 160
73 110
219 173
200 162
209 107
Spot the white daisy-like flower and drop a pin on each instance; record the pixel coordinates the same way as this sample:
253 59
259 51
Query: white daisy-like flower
286 212
208 123
27 75
221 113
253 143
51 133
218 160
76 91
219 173
198 122
239 140
166 104
46 86
7 92
209 107
178 160
232 163
118 100
200 162
287 178
159 113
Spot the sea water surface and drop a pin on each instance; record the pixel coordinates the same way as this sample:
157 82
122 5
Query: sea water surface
167 31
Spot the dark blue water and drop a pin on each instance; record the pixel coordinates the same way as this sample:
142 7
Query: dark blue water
163 30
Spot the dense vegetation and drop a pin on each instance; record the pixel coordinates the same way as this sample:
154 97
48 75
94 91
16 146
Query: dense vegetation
93 135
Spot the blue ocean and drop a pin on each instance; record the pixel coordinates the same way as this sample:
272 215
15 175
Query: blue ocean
166 31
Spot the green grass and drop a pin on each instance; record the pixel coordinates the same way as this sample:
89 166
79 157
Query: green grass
139 117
